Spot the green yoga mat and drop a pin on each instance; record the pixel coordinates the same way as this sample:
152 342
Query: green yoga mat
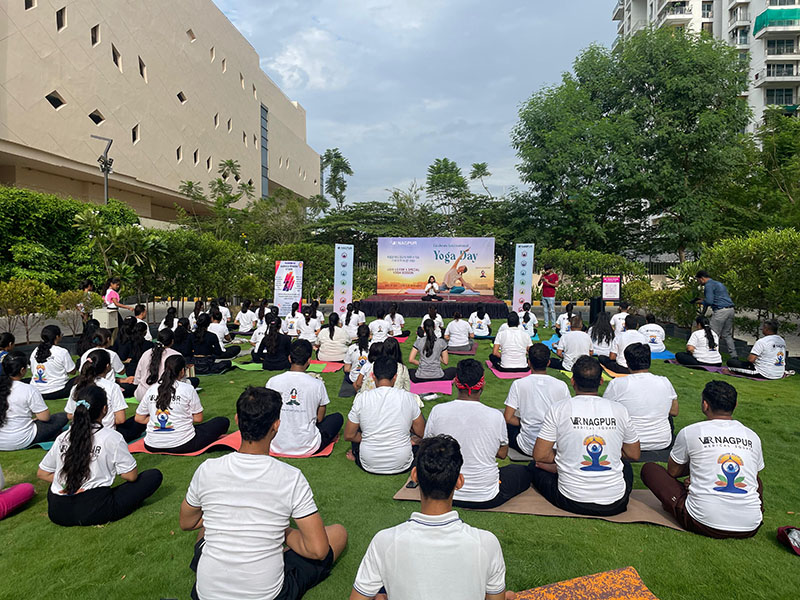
316 368
249 366
133 401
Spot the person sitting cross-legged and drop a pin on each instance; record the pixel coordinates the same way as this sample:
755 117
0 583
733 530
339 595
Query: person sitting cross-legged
481 433
615 361
767 359
572 345
434 554
510 349
723 495
242 504
586 475
305 429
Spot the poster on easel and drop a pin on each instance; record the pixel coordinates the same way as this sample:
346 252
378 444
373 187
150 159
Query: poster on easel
523 276
343 277
288 285
612 288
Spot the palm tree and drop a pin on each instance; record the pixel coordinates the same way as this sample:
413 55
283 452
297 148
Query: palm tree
338 166
479 171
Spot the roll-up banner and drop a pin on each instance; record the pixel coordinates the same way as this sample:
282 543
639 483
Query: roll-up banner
523 276
343 277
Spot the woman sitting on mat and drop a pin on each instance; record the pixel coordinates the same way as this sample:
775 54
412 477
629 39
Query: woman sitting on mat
702 349
174 416
602 334
480 322
562 325
102 341
183 338
83 463
379 328
432 291
528 320
357 355
510 351
85 341
195 314
308 327
14 497
458 334
365 381
206 350
261 315
131 344
396 321
292 321
151 366
170 320
317 313
18 403
273 351
51 366
391 348
246 319
333 341
429 353
438 322
353 318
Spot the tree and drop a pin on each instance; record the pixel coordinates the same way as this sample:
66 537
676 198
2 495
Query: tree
27 302
74 304
337 166
446 186
481 171
282 218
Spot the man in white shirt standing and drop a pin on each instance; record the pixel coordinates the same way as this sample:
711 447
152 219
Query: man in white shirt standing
242 503
586 475
618 320
305 428
481 433
434 554
654 333
767 359
615 361
723 495
572 345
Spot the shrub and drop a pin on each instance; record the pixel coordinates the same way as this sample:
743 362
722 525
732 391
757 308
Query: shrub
253 288
74 305
27 302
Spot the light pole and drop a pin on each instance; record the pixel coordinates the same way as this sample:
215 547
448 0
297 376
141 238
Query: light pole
105 163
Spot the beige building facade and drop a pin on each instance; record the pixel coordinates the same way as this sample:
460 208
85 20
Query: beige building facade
173 83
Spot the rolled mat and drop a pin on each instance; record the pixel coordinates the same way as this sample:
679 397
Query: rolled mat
327 367
471 352
432 387
503 375
232 441
620 584
251 366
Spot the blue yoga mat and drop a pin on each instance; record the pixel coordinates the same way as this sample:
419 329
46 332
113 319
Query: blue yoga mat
666 355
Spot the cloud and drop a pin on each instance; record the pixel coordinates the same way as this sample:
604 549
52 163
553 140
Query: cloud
310 60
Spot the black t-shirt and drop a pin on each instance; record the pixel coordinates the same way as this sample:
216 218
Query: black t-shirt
128 350
208 345
278 360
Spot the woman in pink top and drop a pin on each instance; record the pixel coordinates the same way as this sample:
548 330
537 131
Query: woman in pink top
151 365
111 298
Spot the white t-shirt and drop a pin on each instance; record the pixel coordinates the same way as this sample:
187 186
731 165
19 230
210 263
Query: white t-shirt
531 398
589 432
110 457
117 366
333 349
702 352
600 348
724 459
622 341
308 331
385 415
432 557
655 335
193 319
356 359
258 337
458 332
480 326
302 395
290 324
163 325
320 317
618 322
52 374
514 343
480 431
439 323
396 324
431 289
562 323
574 344
247 501
172 427
147 335
647 398
771 353
226 314
19 430
114 396
379 329
356 319
530 325
220 330
247 320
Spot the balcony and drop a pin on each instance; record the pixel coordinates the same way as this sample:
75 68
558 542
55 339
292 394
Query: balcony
765 77
675 14
618 14
740 18
732 3
777 21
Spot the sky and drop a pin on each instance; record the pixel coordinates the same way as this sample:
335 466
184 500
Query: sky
395 84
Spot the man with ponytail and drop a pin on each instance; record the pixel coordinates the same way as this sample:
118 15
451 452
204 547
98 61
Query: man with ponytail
83 463
51 366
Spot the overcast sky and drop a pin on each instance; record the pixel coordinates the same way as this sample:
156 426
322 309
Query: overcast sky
397 83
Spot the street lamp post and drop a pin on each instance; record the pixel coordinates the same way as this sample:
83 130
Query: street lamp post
105 163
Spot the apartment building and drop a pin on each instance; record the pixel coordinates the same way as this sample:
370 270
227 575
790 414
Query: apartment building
174 84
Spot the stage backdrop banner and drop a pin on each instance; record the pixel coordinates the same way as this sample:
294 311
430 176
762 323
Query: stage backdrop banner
523 276
343 277
288 285
461 266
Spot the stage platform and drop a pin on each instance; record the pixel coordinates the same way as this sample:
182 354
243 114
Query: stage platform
413 306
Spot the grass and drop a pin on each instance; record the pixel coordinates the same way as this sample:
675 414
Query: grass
147 556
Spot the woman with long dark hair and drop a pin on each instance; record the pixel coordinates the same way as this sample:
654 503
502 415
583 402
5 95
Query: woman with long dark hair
528 320
151 366
316 312
602 334
83 463
432 291
396 321
353 318
438 322
357 354
51 366
199 309
85 341
429 354
333 340
292 321
206 350
102 340
274 348
480 322
702 349
132 343
562 325
183 338
365 382
308 327
170 320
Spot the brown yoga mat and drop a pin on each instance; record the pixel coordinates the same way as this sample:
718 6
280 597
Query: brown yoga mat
643 507
619 584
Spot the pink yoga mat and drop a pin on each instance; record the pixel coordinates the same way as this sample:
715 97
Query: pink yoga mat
432 387
231 441
502 375
401 339
330 367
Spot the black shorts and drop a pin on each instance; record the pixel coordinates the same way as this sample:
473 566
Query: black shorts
300 574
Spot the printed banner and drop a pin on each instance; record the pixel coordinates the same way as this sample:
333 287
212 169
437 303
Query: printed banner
523 276
612 287
343 277
461 266
288 285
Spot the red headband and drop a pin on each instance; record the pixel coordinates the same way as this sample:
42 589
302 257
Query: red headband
471 388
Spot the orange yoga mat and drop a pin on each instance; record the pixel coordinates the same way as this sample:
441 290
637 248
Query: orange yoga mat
620 584
231 441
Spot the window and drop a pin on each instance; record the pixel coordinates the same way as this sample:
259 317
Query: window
142 69
244 139
255 141
780 96
61 18
216 121
780 47
255 92
179 153
708 28
782 2
264 152
208 164
196 157
55 99
241 80
780 70
95 35
708 10
181 97
224 65
230 125
190 34
250 182
97 117
116 57
29 4
213 53
135 134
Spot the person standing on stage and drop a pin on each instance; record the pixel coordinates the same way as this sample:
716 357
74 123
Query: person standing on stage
718 299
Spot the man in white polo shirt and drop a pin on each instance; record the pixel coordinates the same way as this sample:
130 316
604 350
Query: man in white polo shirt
767 359
593 435
618 320
572 345
434 554
615 361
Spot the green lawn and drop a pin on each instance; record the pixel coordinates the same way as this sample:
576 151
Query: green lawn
147 556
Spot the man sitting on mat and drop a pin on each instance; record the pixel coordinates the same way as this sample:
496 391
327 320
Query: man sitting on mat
767 359
723 495
434 554
530 398
509 353
305 429
615 361
593 435
242 504
572 345
650 400
380 424
481 433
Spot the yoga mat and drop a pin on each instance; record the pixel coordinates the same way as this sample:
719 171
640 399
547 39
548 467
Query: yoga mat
551 343
231 441
132 401
643 507
251 366
432 387
42 445
328 367
605 376
502 375
324 453
666 355
696 367
620 584
316 367
471 352
515 456
612 374
729 373
402 339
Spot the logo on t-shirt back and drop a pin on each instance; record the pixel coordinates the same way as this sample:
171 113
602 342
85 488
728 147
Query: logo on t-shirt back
39 375
162 421
293 398
595 460
730 482
779 359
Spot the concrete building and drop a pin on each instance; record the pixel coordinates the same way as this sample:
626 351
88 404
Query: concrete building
175 85
766 31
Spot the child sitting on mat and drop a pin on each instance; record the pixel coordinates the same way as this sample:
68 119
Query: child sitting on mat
429 354
102 340
380 328
51 366
365 382
354 318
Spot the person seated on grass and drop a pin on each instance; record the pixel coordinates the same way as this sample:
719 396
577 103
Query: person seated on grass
481 322
206 350
131 344
578 464
396 322
563 322
151 366
767 359
572 345
357 354
170 320
183 338
650 400
274 348
83 463
353 319
722 497
140 313
305 428
51 366
220 329
199 309
702 348
333 340
602 334
615 361
6 345
317 313
510 350
654 333
222 305
481 433
434 554
528 320
308 327
459 334
292 321
429 354
261 315
24 416
246 319
380 424
391 348
102 341
172 412
85 340
380 328
242 503
13 497
529 400
618 321
438 322
365 381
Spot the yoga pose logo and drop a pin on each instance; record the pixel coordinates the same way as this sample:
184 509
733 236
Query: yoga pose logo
779 359
293 398
653 339
39 375
728 482
596 460
162 421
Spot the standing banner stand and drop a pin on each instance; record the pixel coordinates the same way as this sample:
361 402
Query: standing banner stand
523 276
612 288
343 277
288 285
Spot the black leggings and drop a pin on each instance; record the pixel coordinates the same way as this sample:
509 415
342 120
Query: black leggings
230 352
744 367
513 431
128 389
404 333
329 428
687 359
105 504
556 363
207 365
47 431
131 430
495 360
514 479
205 434
546 483
449 375
62 393
612 365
